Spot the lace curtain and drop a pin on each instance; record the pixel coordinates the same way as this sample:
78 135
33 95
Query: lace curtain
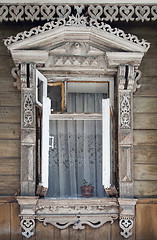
77 152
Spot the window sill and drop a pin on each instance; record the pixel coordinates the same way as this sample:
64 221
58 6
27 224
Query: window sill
65 212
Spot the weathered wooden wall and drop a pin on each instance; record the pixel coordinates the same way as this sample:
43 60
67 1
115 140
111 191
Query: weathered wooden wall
145 229
9 121
145 115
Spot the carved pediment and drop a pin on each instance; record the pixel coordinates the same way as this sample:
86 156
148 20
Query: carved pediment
76 35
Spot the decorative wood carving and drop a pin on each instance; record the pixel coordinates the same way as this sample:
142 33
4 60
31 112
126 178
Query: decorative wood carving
47 12
28 130
78 221
63 213
77 21
27 224
16 74
125 110
126 225
28 115
127 214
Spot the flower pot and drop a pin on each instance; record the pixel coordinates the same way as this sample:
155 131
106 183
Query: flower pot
87 191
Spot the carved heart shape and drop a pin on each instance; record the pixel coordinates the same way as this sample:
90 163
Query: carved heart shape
47 10
32 9
142 10
95 12
111 10
63 11
15 11
3 10
127 10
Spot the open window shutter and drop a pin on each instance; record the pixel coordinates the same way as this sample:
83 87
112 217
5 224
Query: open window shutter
44 103
107 143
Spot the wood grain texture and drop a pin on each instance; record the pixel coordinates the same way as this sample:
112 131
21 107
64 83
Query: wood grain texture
12 101
115 231
146 224
145 188
145 172
15 232
9 166
9 148
5 221
10 131
145 137
10 115
145 104
44 232
145 154
145 121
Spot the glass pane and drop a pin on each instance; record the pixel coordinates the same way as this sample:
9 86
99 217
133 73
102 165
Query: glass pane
85 102
40 91
76 155
55 94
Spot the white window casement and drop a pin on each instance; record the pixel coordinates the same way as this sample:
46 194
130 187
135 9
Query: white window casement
79 133
73 76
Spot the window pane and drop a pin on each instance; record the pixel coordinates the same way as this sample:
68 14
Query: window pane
40 91
55 94
77 155
85 102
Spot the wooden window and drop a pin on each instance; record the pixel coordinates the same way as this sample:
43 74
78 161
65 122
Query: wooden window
79 138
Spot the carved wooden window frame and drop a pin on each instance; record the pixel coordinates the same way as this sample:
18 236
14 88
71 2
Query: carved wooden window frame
123 65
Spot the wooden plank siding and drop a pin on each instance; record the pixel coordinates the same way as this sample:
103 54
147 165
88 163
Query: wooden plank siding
145 116
9 123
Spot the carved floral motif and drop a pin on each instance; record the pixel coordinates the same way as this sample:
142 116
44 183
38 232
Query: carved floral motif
125 110
108 12
28 117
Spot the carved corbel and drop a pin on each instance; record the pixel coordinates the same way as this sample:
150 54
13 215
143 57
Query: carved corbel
27 224
127 214
16 74
27 214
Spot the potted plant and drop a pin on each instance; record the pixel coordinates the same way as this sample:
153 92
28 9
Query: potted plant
87 189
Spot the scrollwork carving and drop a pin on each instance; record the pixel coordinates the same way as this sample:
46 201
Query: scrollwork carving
111 13
28 117
27 225
32 12
125 110
78 20
47 12
126 13
4 13
78 221
107 12
142 13
16 13
126 225
16 74
137 77
154 13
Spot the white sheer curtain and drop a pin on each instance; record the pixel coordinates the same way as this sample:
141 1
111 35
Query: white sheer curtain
77 152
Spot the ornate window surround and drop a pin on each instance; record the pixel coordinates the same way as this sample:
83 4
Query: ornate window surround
122 54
